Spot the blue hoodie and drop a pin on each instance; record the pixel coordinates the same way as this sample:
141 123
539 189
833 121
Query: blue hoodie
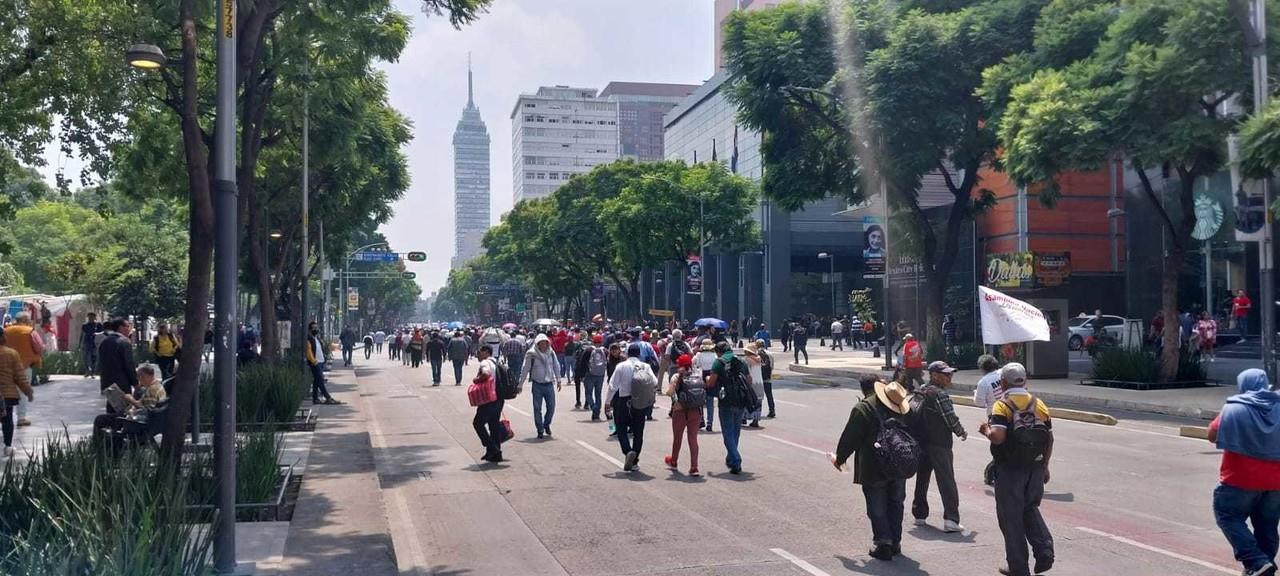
1250 421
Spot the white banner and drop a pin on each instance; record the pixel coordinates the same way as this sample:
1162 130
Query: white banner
1006 320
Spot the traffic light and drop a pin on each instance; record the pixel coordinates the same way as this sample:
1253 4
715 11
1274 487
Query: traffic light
409 275
417 256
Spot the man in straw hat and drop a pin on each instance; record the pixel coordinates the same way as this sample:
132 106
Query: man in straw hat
885 496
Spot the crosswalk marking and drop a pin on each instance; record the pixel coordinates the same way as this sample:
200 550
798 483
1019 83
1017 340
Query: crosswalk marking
801 564
793 444
1157 550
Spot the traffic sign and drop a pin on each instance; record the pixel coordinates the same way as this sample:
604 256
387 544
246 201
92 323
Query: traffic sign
417 256
662 313
409 275
376 257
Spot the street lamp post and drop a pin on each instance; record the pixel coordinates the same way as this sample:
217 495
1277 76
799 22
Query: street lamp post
832 259
304 272
345 281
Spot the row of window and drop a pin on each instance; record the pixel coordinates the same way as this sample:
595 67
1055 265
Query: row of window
531 175
566 120
571 133
557 161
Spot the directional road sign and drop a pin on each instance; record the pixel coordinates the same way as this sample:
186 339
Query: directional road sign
376 257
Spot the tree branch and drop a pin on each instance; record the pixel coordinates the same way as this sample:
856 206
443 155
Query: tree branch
1155 201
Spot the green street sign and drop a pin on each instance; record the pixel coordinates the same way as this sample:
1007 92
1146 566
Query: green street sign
417 256
409 275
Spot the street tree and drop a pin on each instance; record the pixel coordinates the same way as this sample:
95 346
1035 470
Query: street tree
1150 88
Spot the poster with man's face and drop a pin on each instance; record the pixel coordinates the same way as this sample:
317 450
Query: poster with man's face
873 248
693 274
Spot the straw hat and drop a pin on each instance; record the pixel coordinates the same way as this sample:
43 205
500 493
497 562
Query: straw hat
750 350
893 396
708 346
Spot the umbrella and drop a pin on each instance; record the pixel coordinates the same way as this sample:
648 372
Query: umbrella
455 325
546 322
712 322
509 326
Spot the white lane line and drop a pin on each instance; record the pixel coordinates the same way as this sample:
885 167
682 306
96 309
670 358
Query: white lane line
801 564
797 404
600 453
415 546
1161 551
790 443
518 411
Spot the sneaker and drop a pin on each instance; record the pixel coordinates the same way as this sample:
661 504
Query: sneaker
487 456
754 424
577 406
496 458
709 429
24 422
1046 564
882 552
771 416
630 464
671 462
736 470
694 472
548 431
922 522
953 527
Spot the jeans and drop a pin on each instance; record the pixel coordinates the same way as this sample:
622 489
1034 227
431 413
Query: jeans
711 409
629 423
768 395
457 370
564 366
166 366
368 351
6 423
346 355
801 349
594 386
937 461
885 502
1018 494
488 426
317 384
1243 323
1232 507
686 423
437 362
837 340
731 427
89 355
543 393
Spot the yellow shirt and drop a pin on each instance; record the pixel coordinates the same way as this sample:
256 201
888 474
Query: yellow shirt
1001 415
165 346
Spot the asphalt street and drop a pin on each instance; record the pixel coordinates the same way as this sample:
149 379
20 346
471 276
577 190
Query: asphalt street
1128 499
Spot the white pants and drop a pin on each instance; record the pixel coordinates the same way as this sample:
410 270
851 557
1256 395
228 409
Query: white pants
22 398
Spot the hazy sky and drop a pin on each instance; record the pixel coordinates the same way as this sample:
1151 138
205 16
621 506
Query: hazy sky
517 47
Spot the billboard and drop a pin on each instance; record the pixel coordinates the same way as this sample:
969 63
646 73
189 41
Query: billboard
1027 270
693 274
353 298
873 248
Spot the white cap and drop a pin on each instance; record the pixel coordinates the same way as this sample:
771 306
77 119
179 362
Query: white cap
1014 374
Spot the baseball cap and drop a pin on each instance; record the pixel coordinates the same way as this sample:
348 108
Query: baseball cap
1014 374
940 366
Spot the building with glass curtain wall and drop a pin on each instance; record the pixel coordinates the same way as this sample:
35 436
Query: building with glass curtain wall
470 181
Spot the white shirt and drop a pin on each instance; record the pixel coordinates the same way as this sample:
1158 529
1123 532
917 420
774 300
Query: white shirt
704 360
837 327
620 383
488 366
988 391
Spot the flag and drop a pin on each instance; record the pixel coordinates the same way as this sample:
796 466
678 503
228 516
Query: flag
1007 320
713 150
733 159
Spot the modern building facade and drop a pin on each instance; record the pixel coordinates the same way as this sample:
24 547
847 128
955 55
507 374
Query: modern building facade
558 132
470 181
722 11
641 108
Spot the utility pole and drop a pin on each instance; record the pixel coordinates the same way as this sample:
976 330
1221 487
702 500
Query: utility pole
885 324
304 272
226 259
1261 95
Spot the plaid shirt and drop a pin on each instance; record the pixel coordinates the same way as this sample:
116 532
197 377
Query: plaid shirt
946 408
512 348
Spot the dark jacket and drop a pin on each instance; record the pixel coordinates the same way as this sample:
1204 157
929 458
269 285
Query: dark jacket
115 363
435 347
347 338
939 422
800 336
858 440
458 348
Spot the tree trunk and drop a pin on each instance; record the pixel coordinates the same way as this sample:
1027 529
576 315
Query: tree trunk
200 250
254 105
1170 267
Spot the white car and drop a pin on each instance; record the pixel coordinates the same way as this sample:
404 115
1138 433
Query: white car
1081 327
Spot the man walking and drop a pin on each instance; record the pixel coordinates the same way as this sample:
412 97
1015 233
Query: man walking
593 364
458 350
165 347
542 367
488 419
1021 437
912 362
379 338
937 422
348 340
22 337
513 351
435 356
630 396
89 344
315 361
1248 433
837 334
1240 306
985 395
727 375
885 495
800 342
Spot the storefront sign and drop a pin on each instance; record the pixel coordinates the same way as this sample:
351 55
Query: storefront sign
1006 320
1011 270
1052 268
693 274
873 242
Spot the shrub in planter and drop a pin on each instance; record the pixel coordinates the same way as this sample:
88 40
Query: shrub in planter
59 363
257 469
1142 365
964 356
265 392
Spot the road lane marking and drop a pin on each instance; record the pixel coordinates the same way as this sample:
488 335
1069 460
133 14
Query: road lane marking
797 404
519 411
793 444
415 547
1161 551
801 564
600 453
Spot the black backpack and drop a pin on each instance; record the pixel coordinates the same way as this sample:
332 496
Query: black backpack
896 449
737 391
508 386
1029 436
677 348
693 391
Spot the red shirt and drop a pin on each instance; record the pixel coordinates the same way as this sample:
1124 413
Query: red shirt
1245 472
1240 306
912 355
559 340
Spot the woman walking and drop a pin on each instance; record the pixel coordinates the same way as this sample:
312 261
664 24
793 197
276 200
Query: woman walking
688 392
757 382
1207 331
416 345
13 385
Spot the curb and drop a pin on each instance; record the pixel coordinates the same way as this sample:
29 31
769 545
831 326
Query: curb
1201 432
1050 397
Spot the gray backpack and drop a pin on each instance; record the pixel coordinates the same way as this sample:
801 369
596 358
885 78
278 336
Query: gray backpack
598 363
644 385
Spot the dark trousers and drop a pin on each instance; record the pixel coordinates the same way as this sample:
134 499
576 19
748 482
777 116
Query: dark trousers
1018 495
368 351
1233 507
801 349
6 422
437 363
457 370
317 384
346 355
166 366
786 344
629 423
768 395
488 425
939 462
885 503
837 340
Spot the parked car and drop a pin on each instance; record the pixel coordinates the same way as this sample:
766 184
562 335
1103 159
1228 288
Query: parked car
1081 327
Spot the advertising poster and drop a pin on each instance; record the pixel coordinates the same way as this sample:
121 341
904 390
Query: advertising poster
873 252
1052 268
1011 270
693 274
353 298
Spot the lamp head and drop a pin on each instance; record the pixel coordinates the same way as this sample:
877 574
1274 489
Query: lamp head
145 56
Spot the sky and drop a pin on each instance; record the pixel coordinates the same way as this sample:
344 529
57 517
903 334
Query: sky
517 47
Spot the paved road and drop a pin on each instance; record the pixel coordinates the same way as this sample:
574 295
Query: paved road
1133 499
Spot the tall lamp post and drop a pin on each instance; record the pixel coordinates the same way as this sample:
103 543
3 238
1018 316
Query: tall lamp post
831 258
225 262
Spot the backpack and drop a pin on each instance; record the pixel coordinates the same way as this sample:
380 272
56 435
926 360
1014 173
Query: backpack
896 449
644 386
677 348
598 365
737 391
1029 436
693 392
508 386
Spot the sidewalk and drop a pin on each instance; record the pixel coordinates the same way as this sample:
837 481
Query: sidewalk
845 367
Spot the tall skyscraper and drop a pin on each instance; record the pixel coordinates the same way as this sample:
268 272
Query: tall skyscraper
470 181
557 133
641 106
